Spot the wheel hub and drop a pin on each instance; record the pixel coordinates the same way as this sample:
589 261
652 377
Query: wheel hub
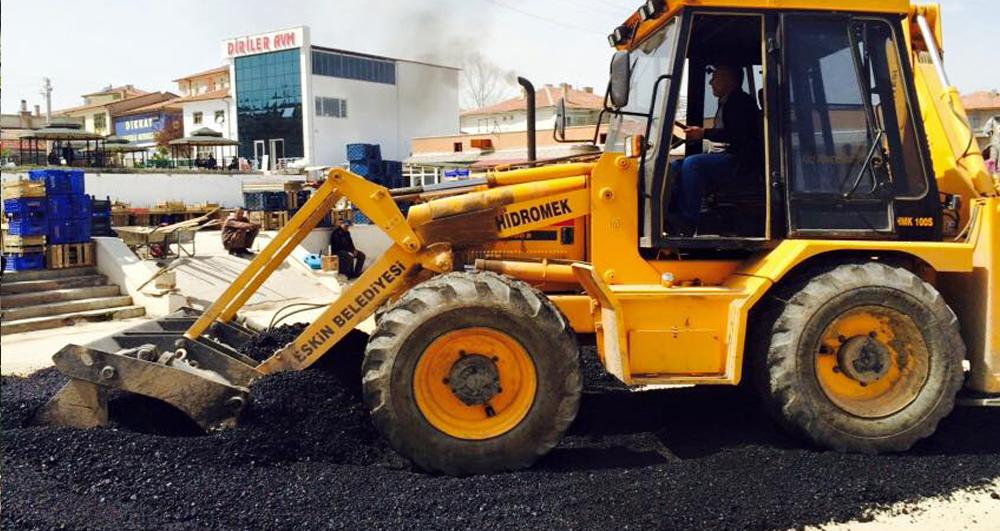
864 358
474 379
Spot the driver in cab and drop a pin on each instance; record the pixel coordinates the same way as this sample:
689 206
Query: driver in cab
737 128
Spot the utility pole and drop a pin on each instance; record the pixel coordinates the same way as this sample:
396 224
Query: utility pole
47 92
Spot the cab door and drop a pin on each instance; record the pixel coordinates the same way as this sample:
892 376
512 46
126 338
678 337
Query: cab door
851 157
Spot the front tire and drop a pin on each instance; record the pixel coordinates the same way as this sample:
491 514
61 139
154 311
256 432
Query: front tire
863 358
472 373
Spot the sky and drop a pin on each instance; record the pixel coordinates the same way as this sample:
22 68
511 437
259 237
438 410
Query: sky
85 45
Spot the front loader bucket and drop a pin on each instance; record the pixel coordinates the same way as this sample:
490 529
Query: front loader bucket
207 379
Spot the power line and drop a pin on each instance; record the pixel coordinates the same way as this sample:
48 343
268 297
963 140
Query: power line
542 18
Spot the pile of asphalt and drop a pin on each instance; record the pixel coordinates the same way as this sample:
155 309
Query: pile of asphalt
262 346
306 455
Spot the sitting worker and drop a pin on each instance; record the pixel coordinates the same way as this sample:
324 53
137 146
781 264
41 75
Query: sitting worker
238 233
737 126
350 261
210 162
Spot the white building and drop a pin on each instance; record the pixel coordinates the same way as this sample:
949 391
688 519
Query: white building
206 102
582 108
294 101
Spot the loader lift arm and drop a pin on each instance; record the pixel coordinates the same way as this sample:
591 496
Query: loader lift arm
204 376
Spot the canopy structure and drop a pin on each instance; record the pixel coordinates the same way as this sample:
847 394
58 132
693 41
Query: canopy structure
60 137
116 149
201 147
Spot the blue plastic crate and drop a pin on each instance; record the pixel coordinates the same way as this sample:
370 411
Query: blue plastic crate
392 168
266 201
24 262
69 206
100 208
458 173
367 170
25 206
28 226
69 231
101 227
363 152
59 182
361 218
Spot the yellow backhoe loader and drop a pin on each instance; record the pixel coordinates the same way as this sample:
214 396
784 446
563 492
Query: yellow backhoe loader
854 275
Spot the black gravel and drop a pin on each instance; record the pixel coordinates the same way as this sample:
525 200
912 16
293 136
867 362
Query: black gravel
306 455
263 346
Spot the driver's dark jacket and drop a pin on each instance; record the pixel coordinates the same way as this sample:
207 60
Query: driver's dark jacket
741 131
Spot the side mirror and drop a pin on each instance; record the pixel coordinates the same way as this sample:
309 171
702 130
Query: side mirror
621 74
560 131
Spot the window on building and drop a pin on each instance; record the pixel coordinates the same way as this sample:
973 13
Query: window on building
456 147
197 118
100 122
269 101
332 107
220 116
353 67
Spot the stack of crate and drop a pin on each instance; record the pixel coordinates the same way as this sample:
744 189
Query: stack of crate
100 217
365 160
25 225
269 209
68 213
392 174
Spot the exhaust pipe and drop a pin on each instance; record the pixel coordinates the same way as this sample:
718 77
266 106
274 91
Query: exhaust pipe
530 90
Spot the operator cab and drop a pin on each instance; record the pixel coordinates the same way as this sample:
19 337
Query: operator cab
836 151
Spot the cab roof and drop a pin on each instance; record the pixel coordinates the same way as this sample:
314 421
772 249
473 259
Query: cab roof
901 7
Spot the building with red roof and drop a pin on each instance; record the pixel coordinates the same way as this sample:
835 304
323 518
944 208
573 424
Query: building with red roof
582 108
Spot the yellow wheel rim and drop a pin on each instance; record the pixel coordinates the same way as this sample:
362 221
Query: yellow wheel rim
872 361
474 383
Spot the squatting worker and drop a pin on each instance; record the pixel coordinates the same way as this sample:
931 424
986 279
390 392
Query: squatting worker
350 260
238 233
737 126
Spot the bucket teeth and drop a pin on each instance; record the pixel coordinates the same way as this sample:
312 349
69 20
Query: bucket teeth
209 398
79 404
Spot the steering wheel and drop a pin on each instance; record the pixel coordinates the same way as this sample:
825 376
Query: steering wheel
677 136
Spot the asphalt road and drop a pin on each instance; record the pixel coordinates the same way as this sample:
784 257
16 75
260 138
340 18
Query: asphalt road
306 455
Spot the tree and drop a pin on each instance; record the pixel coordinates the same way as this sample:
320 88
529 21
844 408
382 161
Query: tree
171 130
484 83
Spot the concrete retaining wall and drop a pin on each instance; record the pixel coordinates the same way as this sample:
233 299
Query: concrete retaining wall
122 267
144 190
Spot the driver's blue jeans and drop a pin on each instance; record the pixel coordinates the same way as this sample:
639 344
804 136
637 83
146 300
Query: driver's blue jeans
691 178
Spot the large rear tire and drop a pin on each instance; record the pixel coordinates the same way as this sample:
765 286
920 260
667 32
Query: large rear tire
863 358
472 373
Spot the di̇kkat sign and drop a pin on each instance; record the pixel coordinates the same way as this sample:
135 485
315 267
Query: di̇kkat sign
273 41
142 128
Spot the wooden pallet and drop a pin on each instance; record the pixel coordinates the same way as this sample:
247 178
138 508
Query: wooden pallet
23 249
120 219
269 220
341 214
13 240
70 255
15 189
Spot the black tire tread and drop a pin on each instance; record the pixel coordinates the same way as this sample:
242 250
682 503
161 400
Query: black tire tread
423 302
776 373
